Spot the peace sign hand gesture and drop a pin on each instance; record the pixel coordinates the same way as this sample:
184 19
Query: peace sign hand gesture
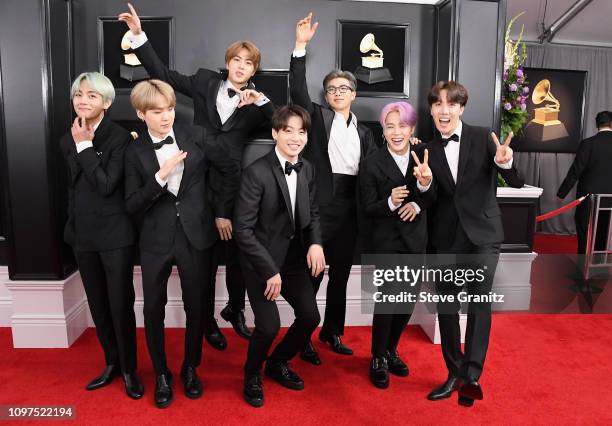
304 31
503 154
422 171
131 19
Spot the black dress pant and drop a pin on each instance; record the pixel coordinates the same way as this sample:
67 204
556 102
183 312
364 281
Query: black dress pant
297 290
468 364
581 217
194 269
339 232
107 278
389 324
234 281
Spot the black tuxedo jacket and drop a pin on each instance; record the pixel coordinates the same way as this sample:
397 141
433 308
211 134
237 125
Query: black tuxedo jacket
156 209
592 167
378 176
318 137
97 219
203 87
263 222
472 201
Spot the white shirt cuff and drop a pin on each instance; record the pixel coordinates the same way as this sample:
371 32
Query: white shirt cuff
298 53
83 145
506 166
262 100
137 40
392 207
159 180
424 188
416 206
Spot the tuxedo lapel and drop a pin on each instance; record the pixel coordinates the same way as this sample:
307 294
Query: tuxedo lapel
211 101
389 167
234 118
101 135
328 119
279 175
186 143
464 151
444 171
147 154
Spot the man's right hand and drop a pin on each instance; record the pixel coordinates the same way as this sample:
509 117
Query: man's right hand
273 287
304 32
131 19
398 194
171 163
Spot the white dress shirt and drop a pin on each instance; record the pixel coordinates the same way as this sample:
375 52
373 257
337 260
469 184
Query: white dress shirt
163 154
402 163
83 145
291 180
225 105
344 146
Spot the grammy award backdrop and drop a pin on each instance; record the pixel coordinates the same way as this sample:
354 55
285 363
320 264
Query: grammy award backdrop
555 103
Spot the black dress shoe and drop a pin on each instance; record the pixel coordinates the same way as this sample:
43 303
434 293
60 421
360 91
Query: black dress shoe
191 383
107 376
281 372
214 337
163 390
445 390
237 320
336 344
309 354
133 385
253 390
465 401
379 372
396 365
470 389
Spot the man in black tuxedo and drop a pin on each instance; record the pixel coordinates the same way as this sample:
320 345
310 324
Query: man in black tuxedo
98 227
337 145
229 108
591 169
278 232
465 220
165 176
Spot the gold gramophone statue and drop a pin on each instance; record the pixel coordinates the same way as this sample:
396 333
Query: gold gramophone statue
371 69
131 69
545 125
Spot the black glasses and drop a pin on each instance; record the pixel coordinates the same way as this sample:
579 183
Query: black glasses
331 90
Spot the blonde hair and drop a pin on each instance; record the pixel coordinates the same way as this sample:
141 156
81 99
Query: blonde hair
145 95
98 82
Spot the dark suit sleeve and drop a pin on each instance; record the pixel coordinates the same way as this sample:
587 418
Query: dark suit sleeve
314 228
297 84
369 144
69 231
576 169
105 180
157 69
229 173
246 216
368 184
140 192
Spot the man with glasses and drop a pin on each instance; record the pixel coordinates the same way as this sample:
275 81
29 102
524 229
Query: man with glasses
337 143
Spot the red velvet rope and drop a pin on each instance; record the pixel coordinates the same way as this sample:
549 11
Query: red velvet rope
561 209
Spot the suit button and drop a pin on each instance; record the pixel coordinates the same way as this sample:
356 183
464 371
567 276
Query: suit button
177 203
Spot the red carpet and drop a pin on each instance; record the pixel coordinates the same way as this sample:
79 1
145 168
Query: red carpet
540 369
554 244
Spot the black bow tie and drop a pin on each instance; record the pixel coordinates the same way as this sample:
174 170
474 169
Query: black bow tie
445 141
231 92
168 140
288 167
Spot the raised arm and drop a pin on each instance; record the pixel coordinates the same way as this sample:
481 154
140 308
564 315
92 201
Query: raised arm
304 32
148 57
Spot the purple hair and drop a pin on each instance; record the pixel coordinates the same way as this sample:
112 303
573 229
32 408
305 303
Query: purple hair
406 111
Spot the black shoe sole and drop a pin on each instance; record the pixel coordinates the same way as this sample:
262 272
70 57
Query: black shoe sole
465 402
190 396
253 403
164 404
380 385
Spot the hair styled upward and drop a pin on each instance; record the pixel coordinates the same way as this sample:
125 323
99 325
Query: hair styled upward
97 82
280 118
146 95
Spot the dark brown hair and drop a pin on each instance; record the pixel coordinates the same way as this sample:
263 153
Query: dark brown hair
455 92
281 117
